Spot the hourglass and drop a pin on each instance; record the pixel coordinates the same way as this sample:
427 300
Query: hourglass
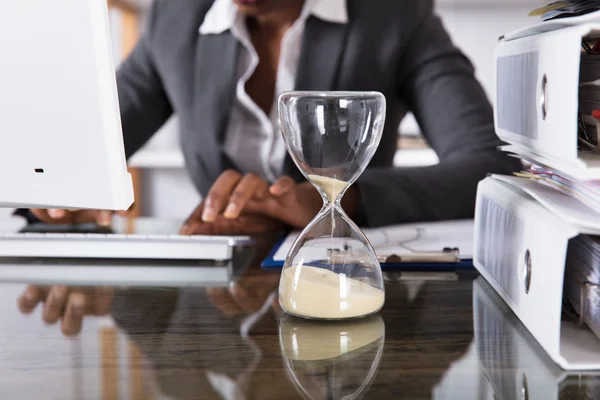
331 271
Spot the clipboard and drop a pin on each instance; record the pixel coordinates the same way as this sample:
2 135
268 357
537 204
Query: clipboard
435 258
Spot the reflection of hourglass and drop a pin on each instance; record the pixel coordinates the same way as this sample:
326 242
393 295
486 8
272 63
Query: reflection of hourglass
331 271
333 359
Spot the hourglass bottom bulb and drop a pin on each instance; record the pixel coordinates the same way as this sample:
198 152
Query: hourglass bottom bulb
312 292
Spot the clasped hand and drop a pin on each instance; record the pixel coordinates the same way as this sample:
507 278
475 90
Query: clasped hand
247 204
235 204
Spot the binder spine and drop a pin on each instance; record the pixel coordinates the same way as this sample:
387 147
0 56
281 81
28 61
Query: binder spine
499 240
516 94
520 249
536 96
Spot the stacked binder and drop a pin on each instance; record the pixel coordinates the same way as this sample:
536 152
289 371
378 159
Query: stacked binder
537 234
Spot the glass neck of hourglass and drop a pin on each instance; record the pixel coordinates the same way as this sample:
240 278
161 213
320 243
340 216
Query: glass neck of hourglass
336 203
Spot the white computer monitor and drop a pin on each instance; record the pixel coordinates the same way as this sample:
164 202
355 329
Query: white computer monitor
61 142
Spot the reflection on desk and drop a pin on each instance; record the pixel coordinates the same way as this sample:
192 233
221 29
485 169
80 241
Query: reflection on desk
332 359
234 343
531 375
505 362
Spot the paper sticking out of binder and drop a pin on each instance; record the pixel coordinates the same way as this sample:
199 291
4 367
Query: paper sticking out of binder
587 192
565 9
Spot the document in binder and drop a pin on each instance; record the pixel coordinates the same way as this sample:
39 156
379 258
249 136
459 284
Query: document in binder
587 192
566 9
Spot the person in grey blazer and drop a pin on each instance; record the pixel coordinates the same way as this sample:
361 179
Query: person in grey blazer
219 65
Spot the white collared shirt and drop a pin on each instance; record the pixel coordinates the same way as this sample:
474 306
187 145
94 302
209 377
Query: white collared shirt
253 139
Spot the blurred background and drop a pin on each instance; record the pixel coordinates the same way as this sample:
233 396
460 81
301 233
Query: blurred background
475 26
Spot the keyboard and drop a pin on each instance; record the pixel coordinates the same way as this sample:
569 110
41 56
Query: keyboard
157 243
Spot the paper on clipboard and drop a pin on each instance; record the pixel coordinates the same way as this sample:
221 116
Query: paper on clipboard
409 239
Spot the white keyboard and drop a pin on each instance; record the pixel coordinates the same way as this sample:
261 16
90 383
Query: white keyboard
120 246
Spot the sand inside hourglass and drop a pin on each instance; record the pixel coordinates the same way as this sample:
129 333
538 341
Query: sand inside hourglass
313 292
332 187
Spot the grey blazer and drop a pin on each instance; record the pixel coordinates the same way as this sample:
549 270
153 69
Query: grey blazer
397 47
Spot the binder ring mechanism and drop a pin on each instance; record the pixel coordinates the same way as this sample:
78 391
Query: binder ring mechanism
579 317
583 297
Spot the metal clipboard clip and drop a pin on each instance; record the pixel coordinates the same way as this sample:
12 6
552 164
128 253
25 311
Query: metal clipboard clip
447 255
385 255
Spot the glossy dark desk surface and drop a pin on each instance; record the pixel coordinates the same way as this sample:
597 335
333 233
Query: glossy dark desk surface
197 343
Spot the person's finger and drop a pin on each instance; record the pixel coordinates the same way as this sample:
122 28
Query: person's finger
269 208
41 215
102 301
190 228
29 299
86 216
220 226
104 218
282 186
52 216
191 221
56 213
262 190
219 193
74 312
243 192
55 303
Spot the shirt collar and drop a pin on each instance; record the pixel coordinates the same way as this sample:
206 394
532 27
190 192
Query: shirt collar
222 14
